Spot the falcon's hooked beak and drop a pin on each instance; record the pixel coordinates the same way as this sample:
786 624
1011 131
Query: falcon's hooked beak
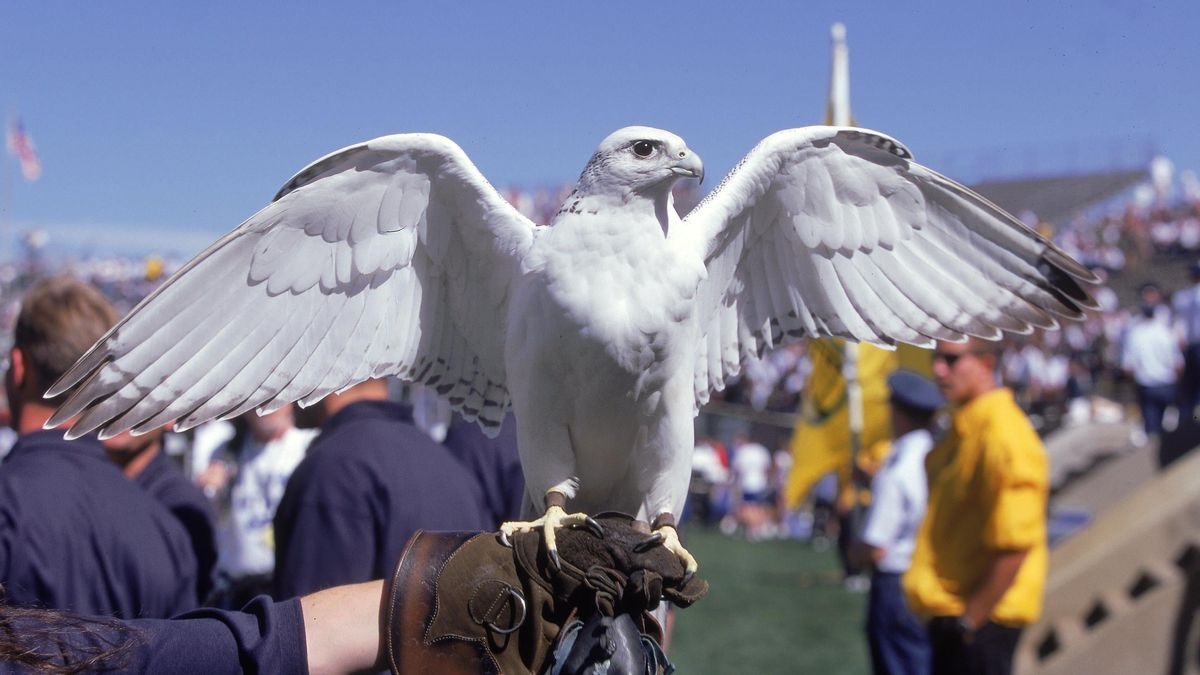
689 165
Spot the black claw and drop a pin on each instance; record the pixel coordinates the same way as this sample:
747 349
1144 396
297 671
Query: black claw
687 576
592 526
648 543
503 538
554 558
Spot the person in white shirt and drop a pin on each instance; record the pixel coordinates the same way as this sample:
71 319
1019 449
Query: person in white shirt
1151 356
897 639
247 476
752 470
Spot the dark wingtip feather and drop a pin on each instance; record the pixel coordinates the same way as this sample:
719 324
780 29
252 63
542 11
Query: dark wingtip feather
1068 265
1064 283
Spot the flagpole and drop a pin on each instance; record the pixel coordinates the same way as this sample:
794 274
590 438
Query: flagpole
19 145
838 114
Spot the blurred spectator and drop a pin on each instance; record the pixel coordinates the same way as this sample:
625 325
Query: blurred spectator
752 479
781 466
854 497
1186 303
825 524
431 412
75 533
1151 356
899 643
248 475
205 440
849 513
708 492
142 459
1152 296
979 566
370 480
776 380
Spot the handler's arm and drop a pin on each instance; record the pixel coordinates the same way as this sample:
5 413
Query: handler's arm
342 627
998 580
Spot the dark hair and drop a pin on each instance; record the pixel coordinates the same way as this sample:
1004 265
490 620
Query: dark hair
60 319
54 641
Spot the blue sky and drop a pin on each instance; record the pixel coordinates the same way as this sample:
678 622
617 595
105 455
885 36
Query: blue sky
163 125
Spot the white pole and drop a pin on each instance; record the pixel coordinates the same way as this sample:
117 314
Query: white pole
839 115
839 80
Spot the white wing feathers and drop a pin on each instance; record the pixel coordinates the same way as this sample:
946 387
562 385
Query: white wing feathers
836 231
391 257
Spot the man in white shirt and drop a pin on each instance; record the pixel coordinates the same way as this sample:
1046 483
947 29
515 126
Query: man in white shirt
1151 355
898 641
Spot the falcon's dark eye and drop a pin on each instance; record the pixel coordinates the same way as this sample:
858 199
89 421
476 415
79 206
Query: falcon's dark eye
643 148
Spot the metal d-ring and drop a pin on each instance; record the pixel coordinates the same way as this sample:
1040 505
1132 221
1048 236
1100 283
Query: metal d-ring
519 603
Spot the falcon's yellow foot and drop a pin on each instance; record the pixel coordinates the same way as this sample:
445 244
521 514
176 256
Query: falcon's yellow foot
668 537
554 518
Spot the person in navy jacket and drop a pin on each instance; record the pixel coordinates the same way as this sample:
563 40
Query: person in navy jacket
75 533
495 464
143 460
369 481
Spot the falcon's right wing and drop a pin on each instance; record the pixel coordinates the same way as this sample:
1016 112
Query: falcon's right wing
837 231
390 257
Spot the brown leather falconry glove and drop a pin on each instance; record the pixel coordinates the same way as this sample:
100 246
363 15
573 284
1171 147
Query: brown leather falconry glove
466 603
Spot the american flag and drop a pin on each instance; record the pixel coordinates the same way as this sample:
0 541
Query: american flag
20 145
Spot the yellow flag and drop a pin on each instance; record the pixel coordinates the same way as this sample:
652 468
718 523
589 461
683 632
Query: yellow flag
821 440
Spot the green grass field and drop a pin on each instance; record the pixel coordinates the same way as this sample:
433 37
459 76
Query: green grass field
773 607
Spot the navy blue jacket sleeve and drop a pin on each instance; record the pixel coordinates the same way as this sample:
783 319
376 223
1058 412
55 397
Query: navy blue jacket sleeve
264 637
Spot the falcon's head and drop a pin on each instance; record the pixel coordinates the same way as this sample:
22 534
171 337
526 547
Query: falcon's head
639 159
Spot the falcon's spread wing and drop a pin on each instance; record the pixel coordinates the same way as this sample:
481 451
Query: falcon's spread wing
393 256
836 231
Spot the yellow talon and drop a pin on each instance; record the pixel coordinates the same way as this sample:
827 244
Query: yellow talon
554 518
671 543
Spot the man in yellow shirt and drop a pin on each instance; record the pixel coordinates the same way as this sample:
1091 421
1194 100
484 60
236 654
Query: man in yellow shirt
979 566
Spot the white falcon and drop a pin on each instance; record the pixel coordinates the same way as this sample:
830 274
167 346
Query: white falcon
605 330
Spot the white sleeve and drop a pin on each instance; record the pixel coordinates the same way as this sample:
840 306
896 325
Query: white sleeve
886 516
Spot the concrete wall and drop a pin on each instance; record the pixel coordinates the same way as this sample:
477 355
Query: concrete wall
1123 594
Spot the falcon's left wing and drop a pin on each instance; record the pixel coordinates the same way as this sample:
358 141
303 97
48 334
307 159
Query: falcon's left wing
390 257
836 231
